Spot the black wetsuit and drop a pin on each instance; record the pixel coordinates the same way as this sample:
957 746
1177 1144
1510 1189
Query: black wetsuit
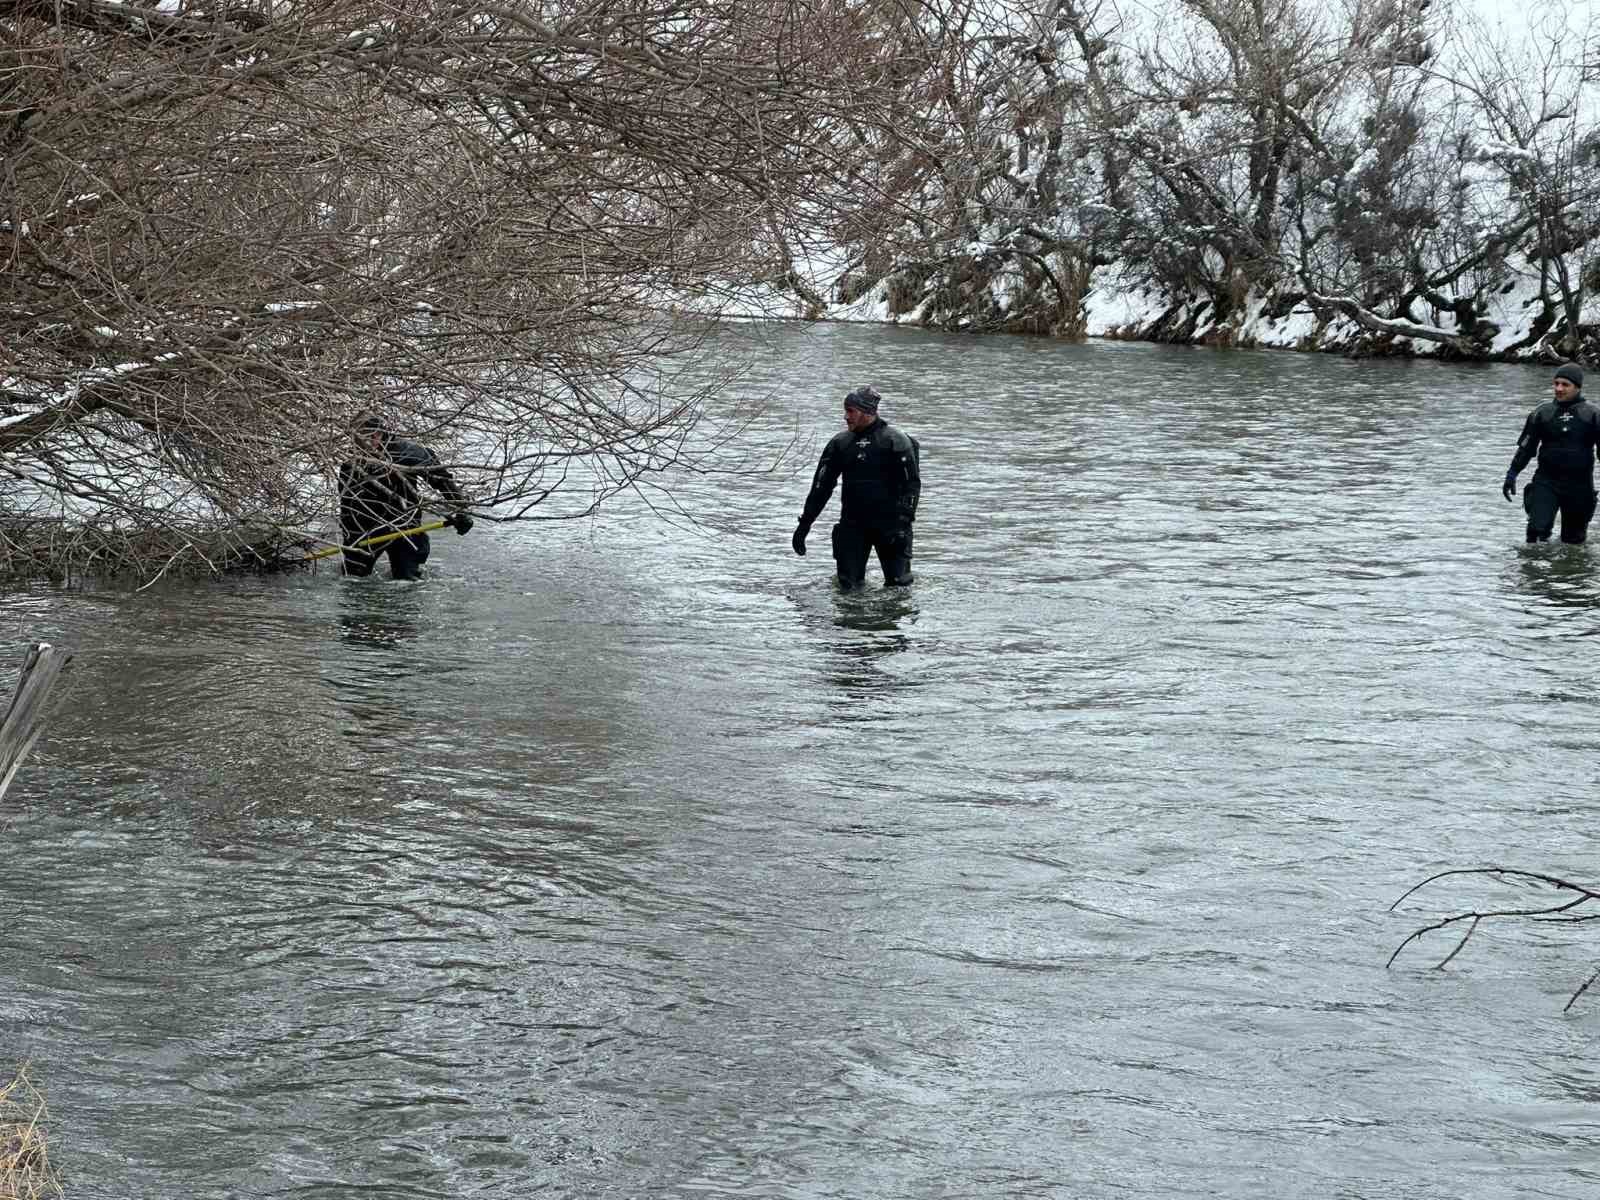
878 503
378 497
1566 437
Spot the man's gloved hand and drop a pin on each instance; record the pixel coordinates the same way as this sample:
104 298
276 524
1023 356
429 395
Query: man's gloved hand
462 522
1508 489
798 541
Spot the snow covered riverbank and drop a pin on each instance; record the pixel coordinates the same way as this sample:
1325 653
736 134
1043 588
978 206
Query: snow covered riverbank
1116 307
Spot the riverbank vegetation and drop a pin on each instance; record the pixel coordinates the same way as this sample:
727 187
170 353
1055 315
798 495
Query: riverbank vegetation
25 1170
227 229
1388 173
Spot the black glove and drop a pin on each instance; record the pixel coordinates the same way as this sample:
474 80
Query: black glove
1508 489
462 522
798 541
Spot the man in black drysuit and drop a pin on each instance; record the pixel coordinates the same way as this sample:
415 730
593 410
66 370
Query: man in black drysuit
378 494
1565 433
882 483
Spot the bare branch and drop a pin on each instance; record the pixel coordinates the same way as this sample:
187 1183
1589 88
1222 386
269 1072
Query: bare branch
1559 911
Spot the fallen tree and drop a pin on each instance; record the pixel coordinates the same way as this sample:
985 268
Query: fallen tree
1390 326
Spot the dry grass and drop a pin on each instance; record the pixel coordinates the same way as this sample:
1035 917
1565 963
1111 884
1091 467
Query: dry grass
25 1172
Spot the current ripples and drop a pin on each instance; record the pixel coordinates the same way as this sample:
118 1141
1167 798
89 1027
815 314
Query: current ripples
630 859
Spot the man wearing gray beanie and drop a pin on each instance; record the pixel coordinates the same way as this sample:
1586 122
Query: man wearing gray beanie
1565 434
882 484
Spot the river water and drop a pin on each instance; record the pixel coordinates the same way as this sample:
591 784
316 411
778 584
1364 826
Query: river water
628 858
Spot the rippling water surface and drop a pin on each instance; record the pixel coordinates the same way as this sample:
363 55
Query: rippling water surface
628 858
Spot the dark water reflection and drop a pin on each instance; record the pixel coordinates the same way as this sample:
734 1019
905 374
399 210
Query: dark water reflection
379 619
622 860
1560 577
863 634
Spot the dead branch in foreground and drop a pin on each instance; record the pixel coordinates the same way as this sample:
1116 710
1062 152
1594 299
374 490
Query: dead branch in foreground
1569 898
23 720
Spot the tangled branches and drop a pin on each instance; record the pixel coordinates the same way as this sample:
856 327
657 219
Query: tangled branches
1564 908
225 232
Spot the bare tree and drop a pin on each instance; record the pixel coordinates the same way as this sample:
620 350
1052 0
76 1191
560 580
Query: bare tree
227 228
1461 167
1247 105
973 211
1536 137
1046 145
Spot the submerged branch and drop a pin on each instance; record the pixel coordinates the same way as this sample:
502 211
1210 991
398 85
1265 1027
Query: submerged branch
1560 910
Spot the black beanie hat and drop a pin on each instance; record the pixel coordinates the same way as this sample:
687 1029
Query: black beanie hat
863 398
1572 373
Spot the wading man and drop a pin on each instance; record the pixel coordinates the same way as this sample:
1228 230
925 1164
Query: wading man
1565 434
378 494
878 502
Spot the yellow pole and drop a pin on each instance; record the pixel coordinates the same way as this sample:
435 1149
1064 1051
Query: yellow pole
382 539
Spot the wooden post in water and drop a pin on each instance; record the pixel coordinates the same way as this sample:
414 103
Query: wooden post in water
24 719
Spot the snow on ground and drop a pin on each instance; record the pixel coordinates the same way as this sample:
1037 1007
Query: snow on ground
1118 306
1114 303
